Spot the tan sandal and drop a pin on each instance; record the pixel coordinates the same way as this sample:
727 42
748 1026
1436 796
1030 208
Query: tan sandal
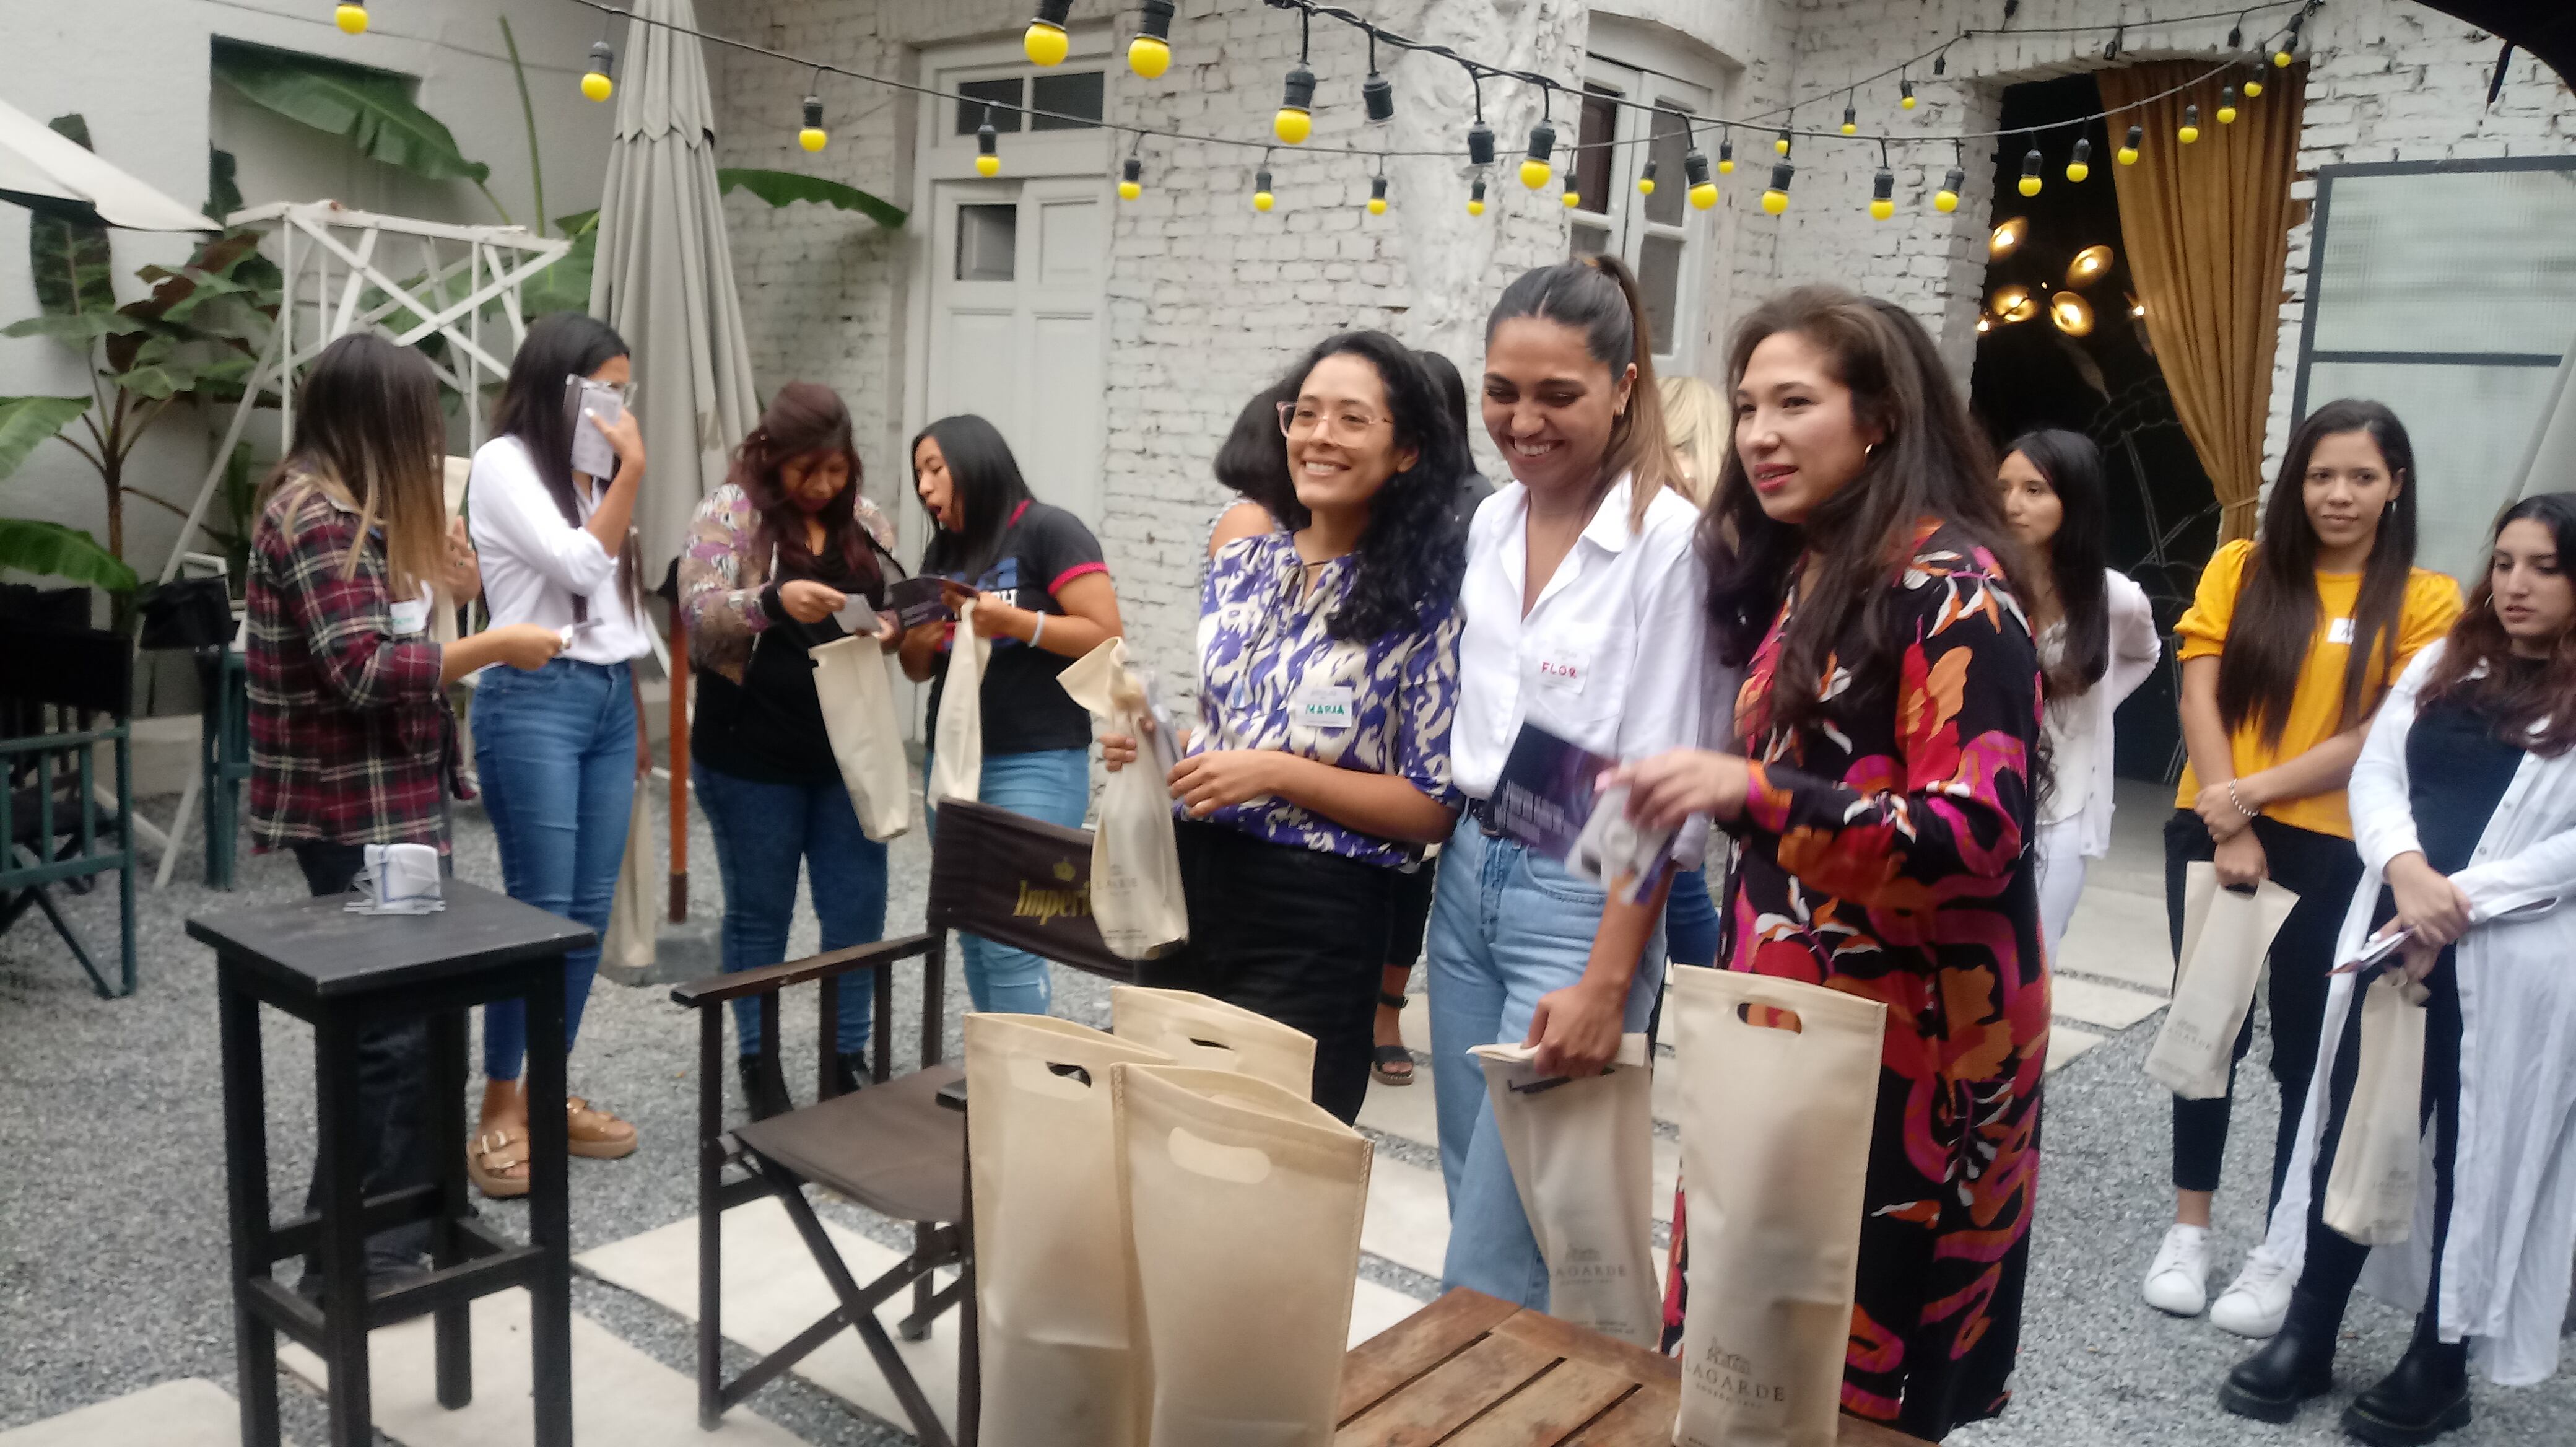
595 1133
493 1153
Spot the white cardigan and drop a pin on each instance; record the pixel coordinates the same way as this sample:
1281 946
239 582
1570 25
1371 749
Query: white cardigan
2513 1201
2079 729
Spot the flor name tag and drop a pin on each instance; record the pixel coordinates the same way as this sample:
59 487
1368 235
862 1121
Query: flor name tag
1321 706
1565 668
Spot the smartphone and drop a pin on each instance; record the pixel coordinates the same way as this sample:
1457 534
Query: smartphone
591 454
2376 952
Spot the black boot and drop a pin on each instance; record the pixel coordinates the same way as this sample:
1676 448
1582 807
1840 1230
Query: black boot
2426 1396
764 1087
847 1074
2296 1364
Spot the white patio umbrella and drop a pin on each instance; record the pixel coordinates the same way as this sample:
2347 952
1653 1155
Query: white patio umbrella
48 172
2550 463
664 277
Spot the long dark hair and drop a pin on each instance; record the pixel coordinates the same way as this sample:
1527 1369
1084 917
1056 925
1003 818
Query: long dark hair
2276 601
367 422
536 407
2517 699
2072 466
1453 395
1598 297
989 489
803 419
1931 462
1253 460
1411 556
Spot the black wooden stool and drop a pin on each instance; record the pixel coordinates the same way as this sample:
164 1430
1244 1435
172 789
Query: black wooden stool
340 971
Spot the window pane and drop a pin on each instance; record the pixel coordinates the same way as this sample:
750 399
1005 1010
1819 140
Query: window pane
1659 276
1001 93
2471 261
1672 141
1589 240
2470 426
988 242
1589 168
1075 94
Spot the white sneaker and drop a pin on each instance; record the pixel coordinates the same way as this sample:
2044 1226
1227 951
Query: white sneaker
2178 1282
2256 1301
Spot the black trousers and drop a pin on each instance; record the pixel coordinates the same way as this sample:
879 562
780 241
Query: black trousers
2323 871
393 1087
1293 933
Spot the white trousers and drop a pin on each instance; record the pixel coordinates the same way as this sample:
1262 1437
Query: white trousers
2061 879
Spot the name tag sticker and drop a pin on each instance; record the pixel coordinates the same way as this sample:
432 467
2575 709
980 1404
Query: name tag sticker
411 617
1564 668
2340 631
1324 707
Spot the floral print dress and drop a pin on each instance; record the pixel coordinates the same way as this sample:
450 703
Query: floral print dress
1882 854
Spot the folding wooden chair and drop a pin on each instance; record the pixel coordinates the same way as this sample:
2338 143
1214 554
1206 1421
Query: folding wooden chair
897 1148
55 683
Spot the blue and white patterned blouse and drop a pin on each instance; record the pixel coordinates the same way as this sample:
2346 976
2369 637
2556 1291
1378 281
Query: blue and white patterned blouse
1272 677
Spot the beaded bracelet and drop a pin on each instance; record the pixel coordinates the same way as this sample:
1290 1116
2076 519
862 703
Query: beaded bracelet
2239 803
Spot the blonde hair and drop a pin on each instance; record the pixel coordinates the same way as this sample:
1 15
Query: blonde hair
1696 424
369 434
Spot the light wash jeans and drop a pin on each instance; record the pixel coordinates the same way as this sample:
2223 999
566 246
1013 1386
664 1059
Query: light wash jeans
555 749
1508 925
766 834
1053 785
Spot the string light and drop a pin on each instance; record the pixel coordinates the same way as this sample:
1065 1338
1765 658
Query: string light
1726 155
1775 199
2288 51
1480 144
2030 164
1045 42
2254 85
1851 117
2072 314
1882 195
1296 118
2236 33
1476 198
351 18
1646 179
1946 200
1131 179
2190 133
1905 94
1377 93
1941 62
1781 144
988 152
1262 200
1572 198
2080 164
2015 303
1377 194
2112 50
2007 238
2227 106
1150 53
1535 169
595 82
1703 191
814 137
2128 152
2089 266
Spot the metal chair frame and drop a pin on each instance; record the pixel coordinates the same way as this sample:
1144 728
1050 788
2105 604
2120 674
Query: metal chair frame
43 695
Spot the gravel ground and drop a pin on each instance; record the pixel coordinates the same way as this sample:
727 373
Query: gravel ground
112 1242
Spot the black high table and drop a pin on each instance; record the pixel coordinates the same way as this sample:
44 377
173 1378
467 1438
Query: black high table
339 971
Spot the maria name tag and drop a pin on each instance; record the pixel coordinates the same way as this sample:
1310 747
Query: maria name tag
411 617
1322 706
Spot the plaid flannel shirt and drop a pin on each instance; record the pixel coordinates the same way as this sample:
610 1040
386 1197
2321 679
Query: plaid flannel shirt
351 737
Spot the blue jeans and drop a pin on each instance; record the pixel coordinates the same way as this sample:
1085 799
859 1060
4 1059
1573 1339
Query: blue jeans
556 752
1690 920
763 833
1508 925
1053 785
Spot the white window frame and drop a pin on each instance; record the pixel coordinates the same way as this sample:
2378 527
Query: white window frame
1622 213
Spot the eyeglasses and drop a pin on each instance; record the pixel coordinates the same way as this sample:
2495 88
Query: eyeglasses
1298 419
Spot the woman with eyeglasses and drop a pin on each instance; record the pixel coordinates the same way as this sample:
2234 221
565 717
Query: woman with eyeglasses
1319 768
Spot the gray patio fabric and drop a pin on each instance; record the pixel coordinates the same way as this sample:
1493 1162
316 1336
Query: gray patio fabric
2550 465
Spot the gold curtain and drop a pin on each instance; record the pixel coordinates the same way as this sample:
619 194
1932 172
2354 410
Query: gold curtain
2207 229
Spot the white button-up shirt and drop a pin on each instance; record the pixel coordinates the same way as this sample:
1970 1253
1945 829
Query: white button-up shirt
534 562
1613 655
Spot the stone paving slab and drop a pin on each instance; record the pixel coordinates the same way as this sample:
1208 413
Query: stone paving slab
190 1412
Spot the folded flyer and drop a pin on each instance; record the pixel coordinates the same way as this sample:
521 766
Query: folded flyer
1548 798
916 601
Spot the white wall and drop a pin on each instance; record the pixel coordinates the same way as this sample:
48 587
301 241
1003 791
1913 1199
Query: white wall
138 70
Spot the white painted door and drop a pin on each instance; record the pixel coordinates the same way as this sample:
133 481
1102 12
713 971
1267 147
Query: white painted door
1016 324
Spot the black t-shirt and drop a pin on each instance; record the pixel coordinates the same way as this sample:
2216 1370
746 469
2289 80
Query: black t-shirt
1025 710
769 727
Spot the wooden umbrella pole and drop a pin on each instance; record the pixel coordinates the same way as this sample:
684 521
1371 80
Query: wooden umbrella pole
679 767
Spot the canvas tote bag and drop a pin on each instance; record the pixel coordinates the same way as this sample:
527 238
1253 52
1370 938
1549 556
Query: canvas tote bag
867 740
1243 1207
632 927
1582 1156
1050 1246
2224 938
957 735
1202 1031
1135 862
2370 1193
1776 1127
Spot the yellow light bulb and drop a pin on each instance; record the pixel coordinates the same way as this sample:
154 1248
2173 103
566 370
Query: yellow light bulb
1475 208
1292 125
1775 202
1908 102
1534 174
2282 59
352 19
984 165
1262 200
597 86
1148 56
1045 43
2189 135
1881 210
1851 128
2227 115
1572 199
2128 155
1645 185
812 138
2076 171
1129 190
1377 205
2030 185
1726 166
1704 195
1781 145
2253 87
1945 201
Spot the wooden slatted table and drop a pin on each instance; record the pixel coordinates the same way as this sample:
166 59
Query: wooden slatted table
1472 1371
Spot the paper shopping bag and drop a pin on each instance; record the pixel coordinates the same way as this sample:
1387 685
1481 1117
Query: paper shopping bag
1200 1030
1243 1207
1135 861
1050 1246
2370 1194
1582 1156
957 735
2224 938
867 740
632 918
1779 1091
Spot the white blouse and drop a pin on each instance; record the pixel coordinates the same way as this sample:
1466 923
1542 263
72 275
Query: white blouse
2079 728
534 562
